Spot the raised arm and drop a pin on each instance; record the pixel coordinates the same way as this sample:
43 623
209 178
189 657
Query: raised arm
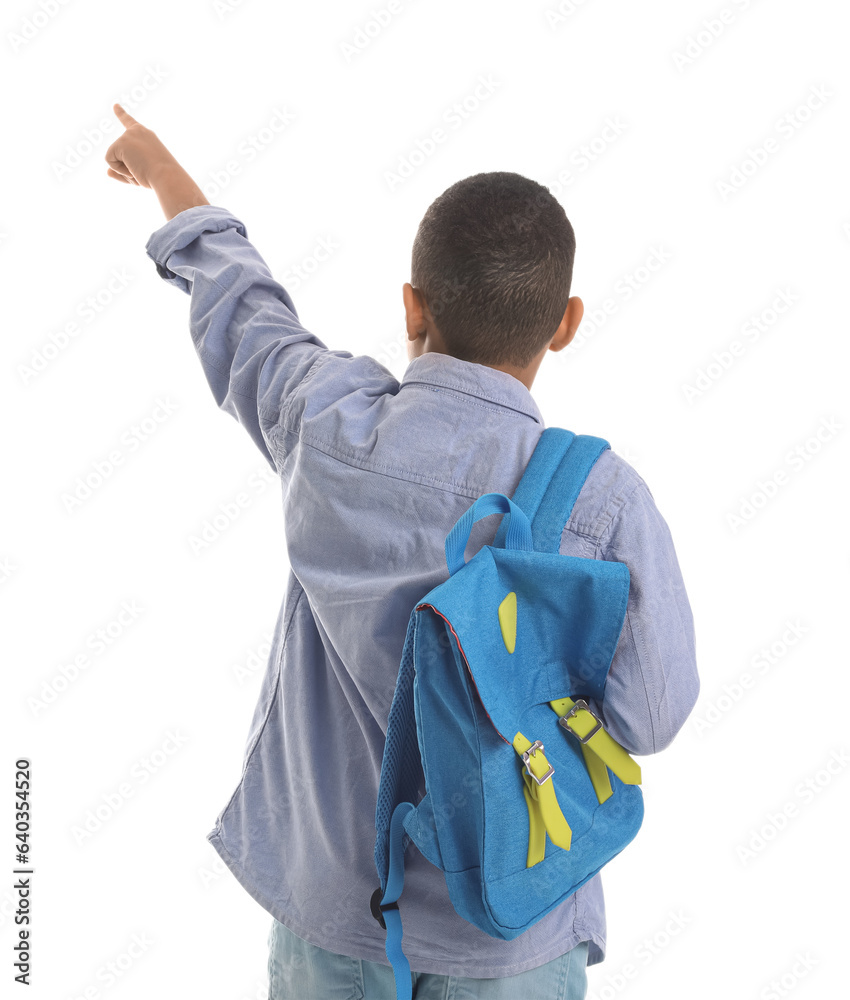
244 326
252 346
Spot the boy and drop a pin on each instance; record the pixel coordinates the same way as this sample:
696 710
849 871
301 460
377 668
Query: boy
374 475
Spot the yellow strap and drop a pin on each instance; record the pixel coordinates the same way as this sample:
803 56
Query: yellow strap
604 747
595 765
536 826
544 813
598 773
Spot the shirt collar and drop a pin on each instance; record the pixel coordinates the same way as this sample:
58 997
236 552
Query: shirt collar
492 384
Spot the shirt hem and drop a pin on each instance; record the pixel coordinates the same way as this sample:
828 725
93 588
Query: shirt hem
418 963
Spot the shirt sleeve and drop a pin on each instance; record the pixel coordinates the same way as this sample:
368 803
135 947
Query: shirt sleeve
652 683
244 326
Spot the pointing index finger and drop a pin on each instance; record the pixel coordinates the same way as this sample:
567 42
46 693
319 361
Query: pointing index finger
123 116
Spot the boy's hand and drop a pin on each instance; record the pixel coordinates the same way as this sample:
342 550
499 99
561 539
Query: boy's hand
138 157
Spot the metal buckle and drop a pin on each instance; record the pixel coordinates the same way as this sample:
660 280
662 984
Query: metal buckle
532 752
581 704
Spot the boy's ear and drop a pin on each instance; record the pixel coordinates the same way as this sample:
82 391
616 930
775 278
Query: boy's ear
569 324
413 312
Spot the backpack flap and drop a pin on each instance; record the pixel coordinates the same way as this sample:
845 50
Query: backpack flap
546 626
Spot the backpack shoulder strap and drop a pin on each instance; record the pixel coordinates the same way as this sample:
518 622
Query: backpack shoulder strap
552 481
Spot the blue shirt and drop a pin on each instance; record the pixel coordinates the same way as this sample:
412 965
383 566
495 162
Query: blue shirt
374 474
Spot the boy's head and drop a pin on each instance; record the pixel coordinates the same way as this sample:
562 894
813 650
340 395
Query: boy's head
491 272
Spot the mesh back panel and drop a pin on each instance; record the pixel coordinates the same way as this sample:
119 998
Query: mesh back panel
402 777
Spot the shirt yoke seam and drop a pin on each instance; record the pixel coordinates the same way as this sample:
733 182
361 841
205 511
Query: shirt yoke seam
391 472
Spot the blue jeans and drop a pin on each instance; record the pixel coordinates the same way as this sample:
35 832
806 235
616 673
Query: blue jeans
301 971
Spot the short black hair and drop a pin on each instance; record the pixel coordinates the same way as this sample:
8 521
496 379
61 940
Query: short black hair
493 259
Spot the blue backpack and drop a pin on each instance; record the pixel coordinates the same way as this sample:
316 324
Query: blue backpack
491 716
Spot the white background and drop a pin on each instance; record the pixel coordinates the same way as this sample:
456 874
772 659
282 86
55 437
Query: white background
740 869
